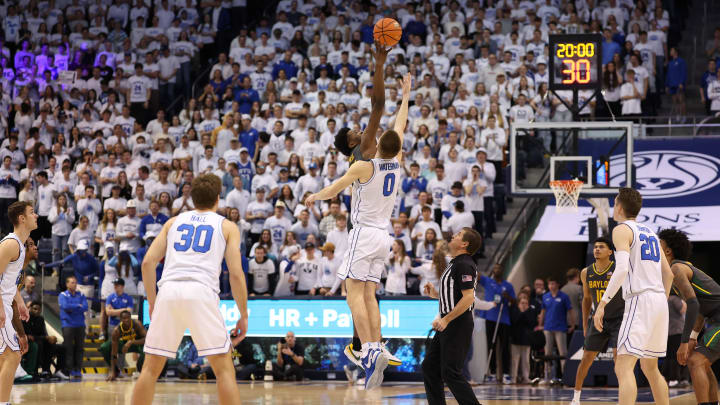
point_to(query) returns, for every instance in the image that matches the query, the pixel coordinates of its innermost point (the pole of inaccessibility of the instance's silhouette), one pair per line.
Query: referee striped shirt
(459, 275)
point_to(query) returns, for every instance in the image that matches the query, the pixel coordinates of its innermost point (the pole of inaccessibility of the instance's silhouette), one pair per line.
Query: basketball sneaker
(374, 364)
(392, 360)
(353, 355)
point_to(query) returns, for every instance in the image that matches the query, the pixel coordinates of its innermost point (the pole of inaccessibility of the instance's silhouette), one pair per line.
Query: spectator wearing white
(184, 202)
(475, 187)
(61, 216)
(81, 232)
(260, 273)
(141, 202)
(115, 202)
(339, 236)
(311, 149)
(264, 180)
(487, 173)
(330, 263)
(256, 214)
(631, 97)
(493, 139)
(278, 224)
(310, 182)
(238, 197)
(437, 188)
(426, 222)
(397, 265)
(308, 271)
(714, 93)
(455, 168)
(9, 178)
(109, 175)
(448, 201)
(459, 219)
(128, 229)
(521, 112)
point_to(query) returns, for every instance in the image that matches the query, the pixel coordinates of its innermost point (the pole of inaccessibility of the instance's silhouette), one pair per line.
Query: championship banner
(679, 180)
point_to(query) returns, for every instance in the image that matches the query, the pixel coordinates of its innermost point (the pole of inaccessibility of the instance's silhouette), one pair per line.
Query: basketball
(387, 32)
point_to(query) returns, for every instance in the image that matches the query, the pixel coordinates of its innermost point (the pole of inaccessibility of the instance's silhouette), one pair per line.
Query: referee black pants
(444, 363)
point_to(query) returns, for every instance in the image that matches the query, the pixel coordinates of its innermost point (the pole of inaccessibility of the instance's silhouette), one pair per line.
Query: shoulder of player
(10, 247)
(681, 268)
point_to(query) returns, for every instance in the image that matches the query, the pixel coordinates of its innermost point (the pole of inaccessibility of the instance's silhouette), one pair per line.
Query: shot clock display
(575, 62)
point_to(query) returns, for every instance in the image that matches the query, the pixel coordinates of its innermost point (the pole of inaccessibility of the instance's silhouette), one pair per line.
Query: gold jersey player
(595, 279)
(644, 274)
(12, 258)
(375, 184)
(193, 244)
(702, 295)
(361, 146)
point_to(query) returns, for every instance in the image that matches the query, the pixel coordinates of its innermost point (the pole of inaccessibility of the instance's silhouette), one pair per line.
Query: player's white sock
(576, 396)
(375, 345)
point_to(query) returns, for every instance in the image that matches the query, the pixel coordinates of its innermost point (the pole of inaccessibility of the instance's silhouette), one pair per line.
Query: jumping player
(362, 146)
(193, 245)
(595, 279)
(702, 296)
(13, 342)
(375, 186)
(644, 274)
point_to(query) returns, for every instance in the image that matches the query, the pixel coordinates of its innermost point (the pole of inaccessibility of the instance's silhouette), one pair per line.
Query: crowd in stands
(107, 163)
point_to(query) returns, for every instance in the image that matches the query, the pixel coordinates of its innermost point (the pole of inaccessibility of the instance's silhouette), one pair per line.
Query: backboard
(597, 153)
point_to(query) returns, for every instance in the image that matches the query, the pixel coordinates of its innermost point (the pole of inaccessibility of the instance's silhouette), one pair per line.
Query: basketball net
(566, 193)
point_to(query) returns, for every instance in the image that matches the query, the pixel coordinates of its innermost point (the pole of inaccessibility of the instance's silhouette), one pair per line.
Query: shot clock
(575, 62)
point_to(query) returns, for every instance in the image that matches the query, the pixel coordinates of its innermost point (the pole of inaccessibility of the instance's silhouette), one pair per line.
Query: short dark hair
(606, 241)
(630, 200)
(678, 243)
(125, 312)
(473, 238)
(389, 144)
(16, 209)
(205, 191)
(572, 273)
(341, 141)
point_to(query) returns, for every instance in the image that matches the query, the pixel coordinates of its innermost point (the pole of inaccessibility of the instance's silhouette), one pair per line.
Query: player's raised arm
(237, 277)
(402, 114)
(358, 170)
(368, 143)
(622, 238)
(153, 256)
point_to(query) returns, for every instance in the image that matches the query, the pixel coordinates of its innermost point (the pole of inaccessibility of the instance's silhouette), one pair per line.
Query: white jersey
(374, 200)
(195, 249)
(645, 273)
(10, 278)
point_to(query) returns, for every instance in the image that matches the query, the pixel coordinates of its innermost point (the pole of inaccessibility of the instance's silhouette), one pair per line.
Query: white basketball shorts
(364, 260)
(644, 328)
(182, 305)
(8, 336)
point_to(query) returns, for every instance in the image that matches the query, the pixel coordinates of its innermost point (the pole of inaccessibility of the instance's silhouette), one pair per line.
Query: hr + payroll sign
(326, 318)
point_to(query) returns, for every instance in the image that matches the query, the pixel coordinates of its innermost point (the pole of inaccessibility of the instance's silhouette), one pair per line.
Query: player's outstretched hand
(380, 54)
(310, 200)
(240, 331)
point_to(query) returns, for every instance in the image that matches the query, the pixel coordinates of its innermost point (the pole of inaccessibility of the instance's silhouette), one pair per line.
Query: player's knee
(648, 366)
(696, 362)
(153, 365)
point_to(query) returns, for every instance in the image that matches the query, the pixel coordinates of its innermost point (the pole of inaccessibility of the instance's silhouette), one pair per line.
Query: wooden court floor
(96, 391)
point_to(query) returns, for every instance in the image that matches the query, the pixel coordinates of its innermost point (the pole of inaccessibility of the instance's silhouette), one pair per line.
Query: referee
(447, 353)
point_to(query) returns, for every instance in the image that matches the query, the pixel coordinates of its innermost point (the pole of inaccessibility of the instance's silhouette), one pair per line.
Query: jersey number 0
(388, 184)
(198, 237)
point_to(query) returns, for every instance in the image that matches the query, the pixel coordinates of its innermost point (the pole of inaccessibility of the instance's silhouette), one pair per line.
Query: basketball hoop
(566, 193)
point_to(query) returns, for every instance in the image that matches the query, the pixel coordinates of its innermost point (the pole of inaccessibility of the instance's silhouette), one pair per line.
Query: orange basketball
(387, 32)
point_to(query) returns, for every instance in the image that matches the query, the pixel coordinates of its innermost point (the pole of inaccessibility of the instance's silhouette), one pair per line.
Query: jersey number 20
(198, 237)
(650, 249)
(388, 184)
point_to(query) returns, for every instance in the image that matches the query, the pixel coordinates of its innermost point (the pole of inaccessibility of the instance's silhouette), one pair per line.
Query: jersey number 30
(198, 237)
(650, 250)
(388, 184)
